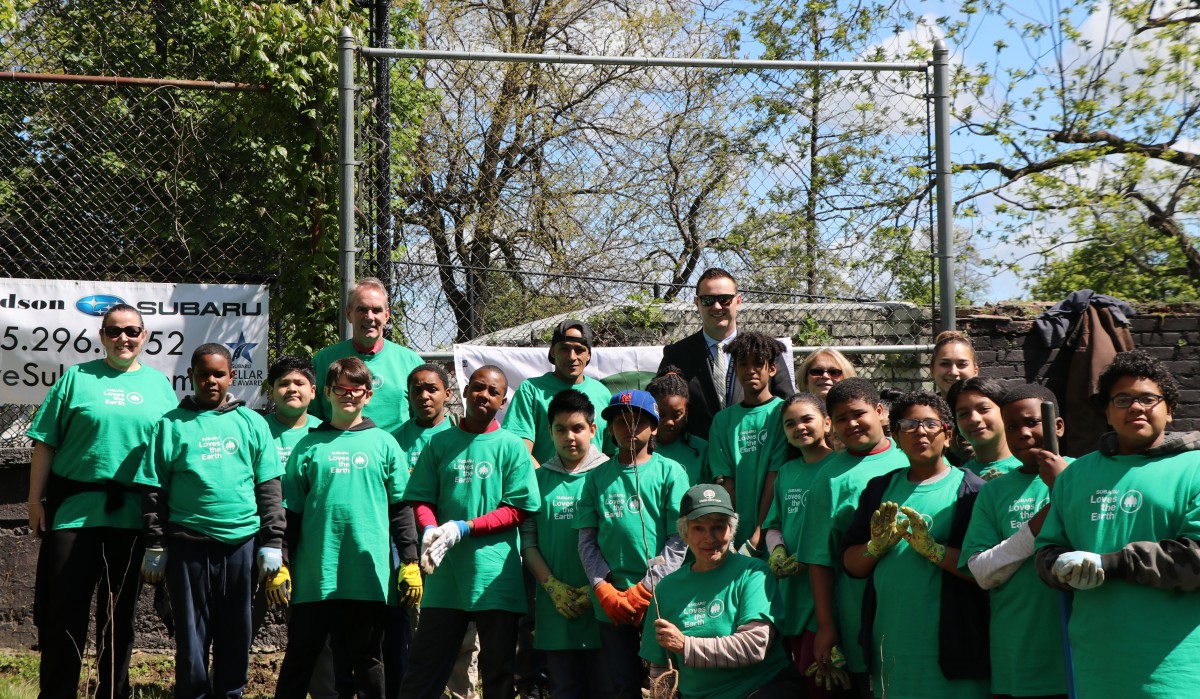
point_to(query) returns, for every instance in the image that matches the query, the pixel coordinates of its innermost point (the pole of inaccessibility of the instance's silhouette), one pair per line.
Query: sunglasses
(112, 332)
(723, 299)
(352, 391)
(818, 371)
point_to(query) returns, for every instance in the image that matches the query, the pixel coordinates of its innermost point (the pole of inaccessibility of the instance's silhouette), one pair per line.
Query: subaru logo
(97, 304)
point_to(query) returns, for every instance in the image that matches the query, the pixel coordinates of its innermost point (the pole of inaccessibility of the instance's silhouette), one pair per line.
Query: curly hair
(755, 347)
(1137, 364)
(911, 400)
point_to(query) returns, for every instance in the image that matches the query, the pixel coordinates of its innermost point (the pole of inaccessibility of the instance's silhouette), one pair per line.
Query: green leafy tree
(173, 184)
(1089, 129)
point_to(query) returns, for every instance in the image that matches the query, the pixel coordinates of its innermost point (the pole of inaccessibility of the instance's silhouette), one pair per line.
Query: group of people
(719, 534)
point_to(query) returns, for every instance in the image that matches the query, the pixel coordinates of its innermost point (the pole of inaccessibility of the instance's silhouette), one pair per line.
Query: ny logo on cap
(627, 397)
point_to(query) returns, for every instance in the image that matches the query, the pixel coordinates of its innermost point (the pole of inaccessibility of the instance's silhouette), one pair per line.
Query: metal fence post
(346, 165)
(945, 197)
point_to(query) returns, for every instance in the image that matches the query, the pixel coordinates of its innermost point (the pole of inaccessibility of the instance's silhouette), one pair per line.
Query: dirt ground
(152, 674)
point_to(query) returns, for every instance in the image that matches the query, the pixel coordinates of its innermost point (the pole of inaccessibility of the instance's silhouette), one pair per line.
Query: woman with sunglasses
(822, 369)
(88, 440)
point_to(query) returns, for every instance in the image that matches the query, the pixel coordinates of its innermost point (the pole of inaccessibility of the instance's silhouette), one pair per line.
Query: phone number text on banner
(49, 325)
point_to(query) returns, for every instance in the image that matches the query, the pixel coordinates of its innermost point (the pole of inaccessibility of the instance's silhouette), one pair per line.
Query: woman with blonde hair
(822, 369)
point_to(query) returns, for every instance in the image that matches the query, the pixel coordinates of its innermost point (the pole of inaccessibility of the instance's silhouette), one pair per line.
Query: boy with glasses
(924, 622)
(343, 493)
(1123, 532)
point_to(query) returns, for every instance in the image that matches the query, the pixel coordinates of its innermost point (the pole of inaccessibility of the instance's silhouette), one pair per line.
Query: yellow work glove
(920, 539)
(583, 598)
(409, 584)
(562, 595)
(782, 564)
(837, 675)
(886, 530)
(279, 588)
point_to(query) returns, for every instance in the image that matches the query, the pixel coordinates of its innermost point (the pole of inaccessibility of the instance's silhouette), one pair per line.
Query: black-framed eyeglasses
(352, 391)
(723, 299)
(1146, 400)
(834, 373)
(911, 424)
(112, 332)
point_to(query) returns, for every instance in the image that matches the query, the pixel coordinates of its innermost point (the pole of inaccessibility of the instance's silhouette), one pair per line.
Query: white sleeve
(993, 568)
(774, 538)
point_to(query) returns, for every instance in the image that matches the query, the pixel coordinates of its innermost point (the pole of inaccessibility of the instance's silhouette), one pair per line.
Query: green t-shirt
(1005, 465)
(744, 444)
(98, 421)
(286, 438)
(1129, 639)
(412, 439)
(208, 463)
(342, 482)
(389, 367)
(908, 589)
(558, 542)
(465, 475)
(792, 485)
(1026, 643)
(832, 500)
(527, 418)
(692, 455)
(613, 503)
(712, 604)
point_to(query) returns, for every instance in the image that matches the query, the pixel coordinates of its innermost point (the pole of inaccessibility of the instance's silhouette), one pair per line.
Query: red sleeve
(426, 515)
(500, 519)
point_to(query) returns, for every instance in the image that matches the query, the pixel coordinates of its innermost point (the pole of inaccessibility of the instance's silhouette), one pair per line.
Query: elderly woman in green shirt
(715, 618)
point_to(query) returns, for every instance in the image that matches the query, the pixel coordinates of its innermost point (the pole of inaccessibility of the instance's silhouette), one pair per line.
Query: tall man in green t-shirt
(211, 486)
(1123, 532)
(570, 352)
(369, 311)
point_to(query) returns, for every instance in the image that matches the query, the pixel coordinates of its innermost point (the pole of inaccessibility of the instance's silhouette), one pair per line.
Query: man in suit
(706, 367)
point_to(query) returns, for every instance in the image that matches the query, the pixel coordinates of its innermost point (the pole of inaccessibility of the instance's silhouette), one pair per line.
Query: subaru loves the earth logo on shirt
(97, 304)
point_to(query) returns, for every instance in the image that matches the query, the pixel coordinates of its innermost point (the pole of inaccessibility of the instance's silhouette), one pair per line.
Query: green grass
(151, 674)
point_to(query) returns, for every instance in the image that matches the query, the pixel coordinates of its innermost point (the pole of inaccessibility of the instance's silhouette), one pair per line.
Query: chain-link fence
(112, 167)
(603, 186)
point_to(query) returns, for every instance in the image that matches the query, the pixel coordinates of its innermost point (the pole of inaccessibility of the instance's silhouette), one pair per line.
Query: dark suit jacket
(691, 355)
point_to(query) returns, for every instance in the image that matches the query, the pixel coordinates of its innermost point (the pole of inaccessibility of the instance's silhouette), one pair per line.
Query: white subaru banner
(47, 325)
(618, 368)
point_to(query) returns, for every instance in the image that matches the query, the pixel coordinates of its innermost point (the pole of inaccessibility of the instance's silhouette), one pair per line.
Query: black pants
(355, 632)
(438, 639)
(788, 684)
(71, 564)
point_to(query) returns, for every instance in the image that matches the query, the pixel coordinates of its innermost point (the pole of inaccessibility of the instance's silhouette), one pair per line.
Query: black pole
(381, 35)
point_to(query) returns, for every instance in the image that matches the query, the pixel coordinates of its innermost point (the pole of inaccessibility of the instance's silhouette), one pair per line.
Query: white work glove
(1079, 569)
(441, 540)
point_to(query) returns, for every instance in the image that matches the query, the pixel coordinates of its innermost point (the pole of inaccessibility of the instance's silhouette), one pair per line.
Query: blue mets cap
(631, 399)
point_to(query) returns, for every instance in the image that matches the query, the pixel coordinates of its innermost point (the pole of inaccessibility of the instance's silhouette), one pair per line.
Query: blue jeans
(621, 660)
(210, 585)
(577, 674)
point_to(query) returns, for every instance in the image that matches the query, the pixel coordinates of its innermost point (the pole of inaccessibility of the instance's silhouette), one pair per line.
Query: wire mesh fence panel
(536, 189)
(114, 165)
